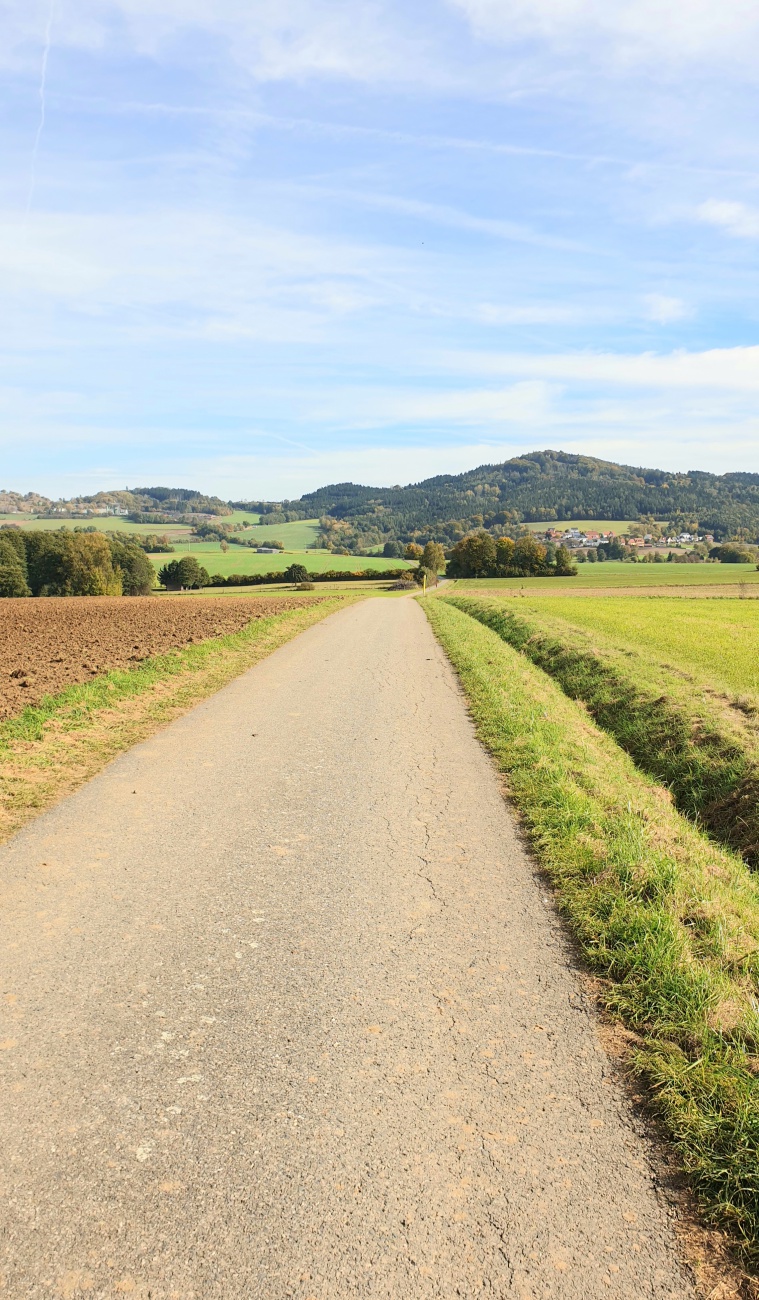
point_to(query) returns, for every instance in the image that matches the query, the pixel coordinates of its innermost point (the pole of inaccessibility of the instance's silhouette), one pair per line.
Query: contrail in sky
(43, 87)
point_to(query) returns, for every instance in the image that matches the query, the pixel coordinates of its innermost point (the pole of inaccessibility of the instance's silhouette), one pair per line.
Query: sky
(257, 246)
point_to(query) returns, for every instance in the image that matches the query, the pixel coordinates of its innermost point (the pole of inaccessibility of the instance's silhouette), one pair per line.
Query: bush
(184, 574)
(731, 553)
(306, 586)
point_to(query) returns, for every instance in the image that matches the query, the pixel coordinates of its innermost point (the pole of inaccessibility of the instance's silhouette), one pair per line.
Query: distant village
(576, 539)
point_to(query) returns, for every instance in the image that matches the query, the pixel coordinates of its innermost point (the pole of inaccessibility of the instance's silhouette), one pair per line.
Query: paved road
(289, 1014)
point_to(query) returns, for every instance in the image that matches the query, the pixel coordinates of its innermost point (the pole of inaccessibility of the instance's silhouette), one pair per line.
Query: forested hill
(540, 486)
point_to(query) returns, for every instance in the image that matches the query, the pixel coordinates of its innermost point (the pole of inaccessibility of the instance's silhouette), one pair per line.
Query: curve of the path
(289, 1014)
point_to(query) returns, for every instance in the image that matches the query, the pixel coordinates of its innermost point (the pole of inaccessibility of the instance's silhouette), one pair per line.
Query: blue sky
(267, 244)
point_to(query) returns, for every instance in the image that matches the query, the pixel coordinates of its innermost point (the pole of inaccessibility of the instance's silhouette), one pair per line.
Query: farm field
(596, 525)
(240, 516)
(618, 575)
(47, 645)
(718, 640)
(105, 524)
(239, 559)
(295, 536)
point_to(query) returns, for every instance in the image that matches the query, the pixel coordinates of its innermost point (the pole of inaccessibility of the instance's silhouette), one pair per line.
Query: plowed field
(46, 645)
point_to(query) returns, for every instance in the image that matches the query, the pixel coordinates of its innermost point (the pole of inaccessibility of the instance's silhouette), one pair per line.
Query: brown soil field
(46, 645)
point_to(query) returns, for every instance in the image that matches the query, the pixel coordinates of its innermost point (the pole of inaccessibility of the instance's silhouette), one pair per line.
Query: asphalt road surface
(288, 1013)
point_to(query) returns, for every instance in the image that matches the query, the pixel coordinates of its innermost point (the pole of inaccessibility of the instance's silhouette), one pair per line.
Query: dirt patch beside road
(47, 645)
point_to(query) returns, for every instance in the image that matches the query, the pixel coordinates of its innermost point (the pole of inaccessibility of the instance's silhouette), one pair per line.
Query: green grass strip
(667, 919)
(705, 750)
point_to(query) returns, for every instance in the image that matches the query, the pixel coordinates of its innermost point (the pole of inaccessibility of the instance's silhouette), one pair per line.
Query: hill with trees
(540, 486)
(143, 505)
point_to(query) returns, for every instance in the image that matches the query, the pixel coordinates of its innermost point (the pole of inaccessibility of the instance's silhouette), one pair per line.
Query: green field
(104, 524)
(718, 640)
(616, 573)
(240, 517)
(239, 559)
(296, 536)
(596, 525)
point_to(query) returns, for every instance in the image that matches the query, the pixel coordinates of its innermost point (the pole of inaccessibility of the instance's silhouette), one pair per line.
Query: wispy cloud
(644, 31)
(313, 231)
(664, 309)
(736, 219)
(735, 369)
(441, 214)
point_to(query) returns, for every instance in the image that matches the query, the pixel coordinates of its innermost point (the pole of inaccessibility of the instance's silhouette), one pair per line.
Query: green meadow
(104, 524)
(596, 525)
(716, 639)
(617, 573)
(239, 559)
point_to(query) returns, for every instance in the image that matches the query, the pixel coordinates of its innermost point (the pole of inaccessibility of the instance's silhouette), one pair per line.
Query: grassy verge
(669, 921)
(54, 747)
(704, 747)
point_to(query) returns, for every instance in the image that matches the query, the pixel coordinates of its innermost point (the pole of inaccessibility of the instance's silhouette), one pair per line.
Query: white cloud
(734, 369)
(209, 273)
(665, 310)
(271, 39)
(738, 219)
(385, 41)
(368, 407)
(641, 30)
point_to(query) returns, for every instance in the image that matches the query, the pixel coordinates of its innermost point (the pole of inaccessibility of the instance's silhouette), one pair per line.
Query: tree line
(188, 575)
(65, 563)
(484, 556)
